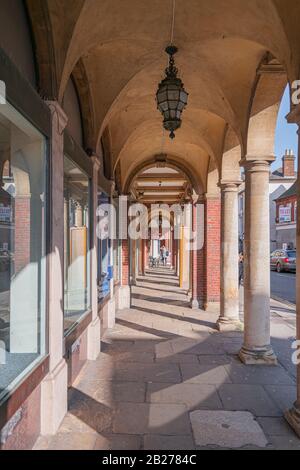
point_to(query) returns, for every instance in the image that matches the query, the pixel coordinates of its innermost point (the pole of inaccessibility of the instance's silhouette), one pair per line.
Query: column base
(293, 418)
(111, 314)
(54, 399)
(195, 304)
(94, 340)
(229, 324)
(263, 356)
(124, 297)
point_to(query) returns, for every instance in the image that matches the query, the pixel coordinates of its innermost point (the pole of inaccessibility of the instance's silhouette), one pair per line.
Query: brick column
(124, 290)
(212, 251)
(293, 415)
(54, 386)
(125, 262)
(195, 302)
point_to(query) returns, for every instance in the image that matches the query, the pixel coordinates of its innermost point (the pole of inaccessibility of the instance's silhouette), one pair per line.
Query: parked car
(283, 260)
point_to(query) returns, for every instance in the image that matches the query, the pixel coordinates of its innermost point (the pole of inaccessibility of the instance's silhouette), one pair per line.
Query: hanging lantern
(171, 96)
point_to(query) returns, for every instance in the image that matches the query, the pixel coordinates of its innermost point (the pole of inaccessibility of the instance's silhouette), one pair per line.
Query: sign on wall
(285, 214)
(5, 214)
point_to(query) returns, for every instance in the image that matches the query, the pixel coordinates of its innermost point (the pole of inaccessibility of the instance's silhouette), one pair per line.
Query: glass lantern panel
(173, 104)
(173, 94)
(163, 106)
(183, 96)
(162, 96)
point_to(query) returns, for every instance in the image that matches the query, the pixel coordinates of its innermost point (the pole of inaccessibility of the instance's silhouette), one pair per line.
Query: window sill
(76, 330)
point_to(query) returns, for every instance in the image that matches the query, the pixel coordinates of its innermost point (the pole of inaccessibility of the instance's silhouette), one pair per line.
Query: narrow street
(283, 286)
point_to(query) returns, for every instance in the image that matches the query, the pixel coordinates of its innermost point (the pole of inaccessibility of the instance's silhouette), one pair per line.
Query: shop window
(76, 244)
(22, 248)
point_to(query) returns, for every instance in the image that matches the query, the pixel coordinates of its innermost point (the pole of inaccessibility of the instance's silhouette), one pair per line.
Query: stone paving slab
(264, 375)
(192, 395)
(161, 442)
(229, 429)
(283, 396)
(208, 374)
(140, 418)
(72, 441)
(251, 398)
(217, 360)
(164, 360)
(108, 392)
(276, 427)
(286, 443)
(118, 442)
(147, 372)
(178, 359)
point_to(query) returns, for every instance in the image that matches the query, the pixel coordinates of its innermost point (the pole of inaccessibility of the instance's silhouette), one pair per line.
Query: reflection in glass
(22, 247)
(103, 248)
(76, 244)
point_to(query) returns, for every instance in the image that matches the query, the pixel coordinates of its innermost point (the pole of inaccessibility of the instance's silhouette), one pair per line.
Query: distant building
(281, 180)
(286, 218)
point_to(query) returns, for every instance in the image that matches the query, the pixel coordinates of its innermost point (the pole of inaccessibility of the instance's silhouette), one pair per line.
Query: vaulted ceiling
(235, 57)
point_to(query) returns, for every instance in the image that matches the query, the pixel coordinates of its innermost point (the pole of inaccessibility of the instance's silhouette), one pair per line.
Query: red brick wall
(22, 232)
(24, 427)
(284, 202)
(212, 249)
(125, 262)
(288, 166)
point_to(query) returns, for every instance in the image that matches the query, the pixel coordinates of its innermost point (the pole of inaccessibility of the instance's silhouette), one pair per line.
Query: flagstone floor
(164, 361)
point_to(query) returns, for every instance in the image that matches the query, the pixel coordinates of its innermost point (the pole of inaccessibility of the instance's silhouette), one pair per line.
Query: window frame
(78, 157)
(25, 100)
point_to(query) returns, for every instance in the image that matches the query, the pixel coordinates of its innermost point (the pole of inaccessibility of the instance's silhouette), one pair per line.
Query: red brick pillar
(195, 301)
(125, 262)
(212, 250)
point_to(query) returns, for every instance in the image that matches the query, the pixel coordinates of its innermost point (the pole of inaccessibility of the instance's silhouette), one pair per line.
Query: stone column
(94, 333)
(229, 317)
(257, 348)
(293, 415)
(54, 387)
(194, 256)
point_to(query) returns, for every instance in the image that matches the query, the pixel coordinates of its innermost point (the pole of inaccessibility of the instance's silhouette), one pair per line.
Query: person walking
(241, 268)
(164, 255)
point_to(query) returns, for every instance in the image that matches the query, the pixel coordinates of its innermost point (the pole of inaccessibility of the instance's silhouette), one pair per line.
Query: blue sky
(286, 134)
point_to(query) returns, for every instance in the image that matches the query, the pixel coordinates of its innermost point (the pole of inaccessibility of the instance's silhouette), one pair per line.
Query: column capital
(293, 117)
(230, 186)
(255, 159)
(211, 197)
(62, 118)
(196, 199)
(257, 165)
(96, 162)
